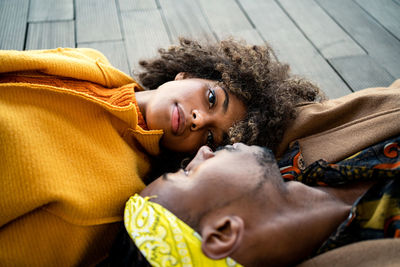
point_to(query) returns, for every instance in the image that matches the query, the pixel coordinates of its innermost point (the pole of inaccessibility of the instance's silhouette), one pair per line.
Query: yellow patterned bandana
(164, 239)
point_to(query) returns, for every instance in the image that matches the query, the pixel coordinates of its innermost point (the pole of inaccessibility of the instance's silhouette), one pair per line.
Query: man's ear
(181, 76)
(222, 236)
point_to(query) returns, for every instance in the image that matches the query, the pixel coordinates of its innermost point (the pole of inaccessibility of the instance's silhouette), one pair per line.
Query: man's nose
(206, 152)
(202, 155)
(199, 120)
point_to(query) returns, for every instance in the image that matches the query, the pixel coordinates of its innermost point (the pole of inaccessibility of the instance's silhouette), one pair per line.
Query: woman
(77, 135)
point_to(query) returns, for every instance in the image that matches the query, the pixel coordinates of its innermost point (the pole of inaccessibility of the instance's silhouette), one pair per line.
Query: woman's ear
(222, 236)
(181, 76)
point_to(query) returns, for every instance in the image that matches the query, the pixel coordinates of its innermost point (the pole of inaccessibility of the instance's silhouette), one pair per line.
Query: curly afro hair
(250, 72)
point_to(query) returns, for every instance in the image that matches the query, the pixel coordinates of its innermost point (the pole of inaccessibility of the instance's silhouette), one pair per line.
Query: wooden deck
(343, 45)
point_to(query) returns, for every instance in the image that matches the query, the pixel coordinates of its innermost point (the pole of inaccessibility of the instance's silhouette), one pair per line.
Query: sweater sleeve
(78, 63)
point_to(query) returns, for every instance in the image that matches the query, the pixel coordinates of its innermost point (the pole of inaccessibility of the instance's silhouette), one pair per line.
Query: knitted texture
(72, 154)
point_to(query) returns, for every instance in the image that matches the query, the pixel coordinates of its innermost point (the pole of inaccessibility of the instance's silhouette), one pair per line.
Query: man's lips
(178, 120)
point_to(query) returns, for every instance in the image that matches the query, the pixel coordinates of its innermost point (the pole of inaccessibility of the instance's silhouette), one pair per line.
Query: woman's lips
(178, 120)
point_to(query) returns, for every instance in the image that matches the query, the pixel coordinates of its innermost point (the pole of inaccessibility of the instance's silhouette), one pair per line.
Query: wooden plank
(386, 12)
(13, 18)
(144, 33)
(128, 5)
(225, 16)
(97, 20)
(292, 47)
(114, 51)
(47, 35)
(251, 36)
(322, 31)
(185, 18)
(379, 43)
(50, 10)
(362, 72)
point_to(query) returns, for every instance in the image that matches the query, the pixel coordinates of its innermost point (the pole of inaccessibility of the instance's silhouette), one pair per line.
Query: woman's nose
(199, 119)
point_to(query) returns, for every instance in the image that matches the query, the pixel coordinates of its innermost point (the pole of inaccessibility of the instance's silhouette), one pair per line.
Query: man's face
(193, 112)
(210, 179)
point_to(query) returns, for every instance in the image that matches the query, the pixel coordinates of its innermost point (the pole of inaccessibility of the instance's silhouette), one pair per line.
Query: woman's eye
(210, 139)
(211, 97)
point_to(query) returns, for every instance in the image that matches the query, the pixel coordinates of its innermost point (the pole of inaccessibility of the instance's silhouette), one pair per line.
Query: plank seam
(338, 74)
(50, 21)
(245, 14)
(122, 29)
(340, 26)
(26, 26)
(312, 44)
(75, 29)
(254, 27)
(164, 20)
(203, 13)
(376, 20)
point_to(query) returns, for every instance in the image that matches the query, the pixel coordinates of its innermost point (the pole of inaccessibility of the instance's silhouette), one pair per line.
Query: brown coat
(381, 252)
(338, 128)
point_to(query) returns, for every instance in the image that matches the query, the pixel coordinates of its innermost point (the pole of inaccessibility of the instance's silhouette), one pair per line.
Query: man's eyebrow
(226, 101)
(229, 148)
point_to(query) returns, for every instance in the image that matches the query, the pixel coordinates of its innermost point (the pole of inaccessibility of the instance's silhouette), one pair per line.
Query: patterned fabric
(376, 214)
(371, 163)
(164, 239)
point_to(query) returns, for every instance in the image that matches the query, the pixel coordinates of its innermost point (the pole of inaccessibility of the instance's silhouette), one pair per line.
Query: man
(237, 201)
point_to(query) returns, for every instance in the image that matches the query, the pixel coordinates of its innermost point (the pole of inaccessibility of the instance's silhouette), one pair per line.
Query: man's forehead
(229, 148)
(261, 154)
(234, 155)
(237, 148)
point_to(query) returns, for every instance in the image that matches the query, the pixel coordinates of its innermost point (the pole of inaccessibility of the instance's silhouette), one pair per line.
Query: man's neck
(320, 211)
(294, 224)
(348, 193)
(309, 216)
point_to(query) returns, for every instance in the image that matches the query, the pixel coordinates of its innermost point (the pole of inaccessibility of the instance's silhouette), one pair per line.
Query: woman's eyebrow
(226, 101)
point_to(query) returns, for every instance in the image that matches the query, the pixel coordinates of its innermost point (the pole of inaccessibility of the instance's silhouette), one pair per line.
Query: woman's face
(192, 112)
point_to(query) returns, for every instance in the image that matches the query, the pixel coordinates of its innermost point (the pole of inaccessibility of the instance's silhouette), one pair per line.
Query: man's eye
(185, 171)
(211, 97)
(210, 140)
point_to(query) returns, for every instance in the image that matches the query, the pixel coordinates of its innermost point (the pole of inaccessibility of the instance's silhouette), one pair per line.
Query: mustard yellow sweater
(69, 159)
